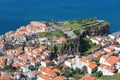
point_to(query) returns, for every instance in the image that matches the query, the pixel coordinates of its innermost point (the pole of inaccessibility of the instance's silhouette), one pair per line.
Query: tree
(53, 21)
(59, 66)
(77, 71)
(66, 72)
(98, 74)
(84, 69)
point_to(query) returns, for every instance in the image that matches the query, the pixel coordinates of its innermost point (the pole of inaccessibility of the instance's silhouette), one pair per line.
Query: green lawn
(77, 77)
(115, 77)
(79, 23)
(50, 34)
(74, 25)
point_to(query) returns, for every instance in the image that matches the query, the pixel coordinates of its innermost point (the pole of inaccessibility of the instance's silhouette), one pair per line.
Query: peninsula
(79, 49)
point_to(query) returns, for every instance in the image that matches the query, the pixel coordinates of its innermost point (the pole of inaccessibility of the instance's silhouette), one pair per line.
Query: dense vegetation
(87, 46)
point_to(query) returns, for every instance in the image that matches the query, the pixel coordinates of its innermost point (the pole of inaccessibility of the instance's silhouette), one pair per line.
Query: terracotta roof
(110, 68)
(97, 54)
(42, 47)
(92, 65)
(47, 61)
(59, 78)
(85, 59)
(18, 35)
(22, 28)
(110, 48)
(56, 70)
(60, 39)
(36, 50)
(38, 24)
(48, 51)
(111, 60)
(35, 72)
(69, 60)
(48, 72)
(6, 76)
(62, 57)
(88, 77)
(44, 77)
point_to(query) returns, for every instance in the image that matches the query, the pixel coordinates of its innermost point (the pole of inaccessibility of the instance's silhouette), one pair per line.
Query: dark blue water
(14, 13)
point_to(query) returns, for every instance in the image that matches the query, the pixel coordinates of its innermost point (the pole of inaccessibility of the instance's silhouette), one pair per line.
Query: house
(43, 48)
(62, 58)
(97, 54)
(27, 48)
(6, 76)
(35, 72)
(29, 28)
(43, 77)
(17, 75)
(37, 51)
(97, 39)
(37, 24)
(32, 75)
(104, 57)
(38, 27)
(56, 70)
(39, 59)
(88, 77)
(45, 56)
(109, 48)
(48, 72)
(45, 63)
(114, 35)
(117, 65)
(60, 40)
(117, 48)
(22, 29)
(118, 40)
(2, 64)
(60, 78)
(68, 63)
(85, 60)
(91, 67)
(119, 70)
(9, 35)
(19, 37)
(107, 70)
(110, 61)
(77, 62)
(33, 62)
(24, 68)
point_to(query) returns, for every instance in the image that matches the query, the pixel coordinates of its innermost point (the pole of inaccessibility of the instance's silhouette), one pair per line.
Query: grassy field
(74, 25)
(50, 34)
(115, 77)
(79, 23)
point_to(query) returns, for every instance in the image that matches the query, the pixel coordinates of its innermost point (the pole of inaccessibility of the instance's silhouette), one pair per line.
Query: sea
(16, 13)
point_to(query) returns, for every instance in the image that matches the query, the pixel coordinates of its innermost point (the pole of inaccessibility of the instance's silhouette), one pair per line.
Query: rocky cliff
(103, 30)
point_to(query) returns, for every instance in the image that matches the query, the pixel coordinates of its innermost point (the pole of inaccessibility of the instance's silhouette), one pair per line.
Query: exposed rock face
(76, 47)
(96, 32)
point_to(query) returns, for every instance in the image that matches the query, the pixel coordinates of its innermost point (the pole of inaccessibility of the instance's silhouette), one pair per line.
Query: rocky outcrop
(96, 32)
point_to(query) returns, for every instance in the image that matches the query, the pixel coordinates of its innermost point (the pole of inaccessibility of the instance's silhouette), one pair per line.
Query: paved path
(71, 34)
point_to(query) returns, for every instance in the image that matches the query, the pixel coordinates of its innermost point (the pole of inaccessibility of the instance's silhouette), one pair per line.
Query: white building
(114, 35)
(69, 63)
(106, 70)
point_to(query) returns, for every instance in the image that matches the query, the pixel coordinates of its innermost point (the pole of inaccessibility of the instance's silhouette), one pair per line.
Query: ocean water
(15, 13)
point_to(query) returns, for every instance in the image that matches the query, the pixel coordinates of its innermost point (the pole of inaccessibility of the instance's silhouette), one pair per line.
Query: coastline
(70, 49)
